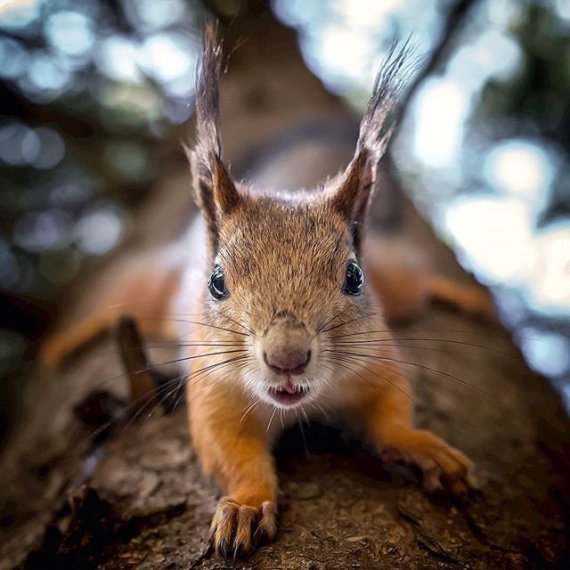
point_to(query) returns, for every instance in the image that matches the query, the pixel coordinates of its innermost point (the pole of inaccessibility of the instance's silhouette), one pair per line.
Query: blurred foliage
(89, 92)
(535, 101)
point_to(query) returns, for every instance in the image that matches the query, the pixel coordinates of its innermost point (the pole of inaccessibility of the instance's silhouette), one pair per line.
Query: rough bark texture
(133, 496)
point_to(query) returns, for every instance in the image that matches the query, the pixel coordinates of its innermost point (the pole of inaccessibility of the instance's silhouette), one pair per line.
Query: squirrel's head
(286, 274)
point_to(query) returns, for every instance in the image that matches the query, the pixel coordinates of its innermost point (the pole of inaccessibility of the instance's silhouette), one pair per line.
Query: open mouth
(288, 393)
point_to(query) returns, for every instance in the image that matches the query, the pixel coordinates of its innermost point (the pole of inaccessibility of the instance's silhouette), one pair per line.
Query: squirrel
(293, 314)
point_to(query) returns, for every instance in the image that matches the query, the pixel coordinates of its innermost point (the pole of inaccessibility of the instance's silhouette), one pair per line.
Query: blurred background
(95, 97)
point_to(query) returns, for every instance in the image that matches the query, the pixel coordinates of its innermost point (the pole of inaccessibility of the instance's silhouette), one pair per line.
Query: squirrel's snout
(287, 347)
(287, 360)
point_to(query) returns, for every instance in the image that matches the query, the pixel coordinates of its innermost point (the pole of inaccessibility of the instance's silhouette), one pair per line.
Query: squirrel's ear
(353, 195)
(214, 191)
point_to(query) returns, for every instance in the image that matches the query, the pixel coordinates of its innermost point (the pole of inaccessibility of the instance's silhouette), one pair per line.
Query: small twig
(136, 362)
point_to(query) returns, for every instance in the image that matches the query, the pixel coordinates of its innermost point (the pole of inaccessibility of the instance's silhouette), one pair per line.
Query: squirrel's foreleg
(233, 447)
(388, 419)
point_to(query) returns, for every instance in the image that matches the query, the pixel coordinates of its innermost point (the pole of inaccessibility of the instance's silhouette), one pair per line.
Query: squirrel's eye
(217, 284)
(353, 280)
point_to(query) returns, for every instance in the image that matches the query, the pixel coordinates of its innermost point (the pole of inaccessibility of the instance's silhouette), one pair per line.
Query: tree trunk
(78, 493)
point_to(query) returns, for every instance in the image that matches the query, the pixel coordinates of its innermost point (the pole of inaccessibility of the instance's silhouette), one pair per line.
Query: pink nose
(287, 360)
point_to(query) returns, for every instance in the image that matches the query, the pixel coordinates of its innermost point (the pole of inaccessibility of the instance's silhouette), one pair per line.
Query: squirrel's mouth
(288, 393)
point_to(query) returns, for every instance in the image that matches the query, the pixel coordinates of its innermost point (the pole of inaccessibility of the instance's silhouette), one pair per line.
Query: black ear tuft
(357, 185)
(214, 190)
(207, 94)
(377, 124)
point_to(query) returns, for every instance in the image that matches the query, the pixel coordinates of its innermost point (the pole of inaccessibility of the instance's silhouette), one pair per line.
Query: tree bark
(84, 486)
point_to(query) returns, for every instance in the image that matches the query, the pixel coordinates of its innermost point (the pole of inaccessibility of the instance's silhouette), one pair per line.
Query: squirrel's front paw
(442, 465)
(237, 528)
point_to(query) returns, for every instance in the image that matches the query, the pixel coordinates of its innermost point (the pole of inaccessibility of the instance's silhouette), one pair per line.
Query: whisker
(149, 404)
(300, 424)
(271, 419)
(178, 400)
(250, 409)
(483, 392)
(322, 410)
(211, 367)
(358, 318)
(177, 319)
(159, 344)
(399, 388)
(328, 322)
(186, 358)
(419, 331)
(442, 340)
(247, 329)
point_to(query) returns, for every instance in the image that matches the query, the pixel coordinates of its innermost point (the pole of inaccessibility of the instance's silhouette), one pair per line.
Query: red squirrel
(290, 316)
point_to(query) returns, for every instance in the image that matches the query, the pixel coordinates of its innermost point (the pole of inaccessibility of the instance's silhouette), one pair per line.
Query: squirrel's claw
(443, 466)
(236, 529)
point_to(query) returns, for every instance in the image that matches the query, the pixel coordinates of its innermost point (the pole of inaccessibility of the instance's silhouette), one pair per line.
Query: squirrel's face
(285, 271)
(286, 279)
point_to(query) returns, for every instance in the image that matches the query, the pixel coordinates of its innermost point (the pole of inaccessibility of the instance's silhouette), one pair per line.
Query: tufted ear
(354, 193)
(214, 191)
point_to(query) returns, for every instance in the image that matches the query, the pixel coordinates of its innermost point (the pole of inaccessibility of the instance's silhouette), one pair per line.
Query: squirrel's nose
(287, 360)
